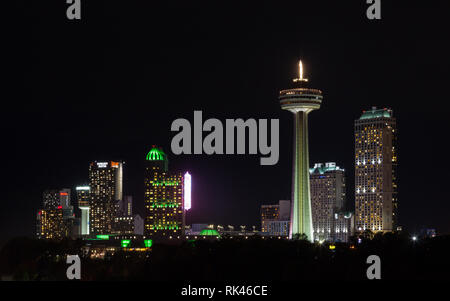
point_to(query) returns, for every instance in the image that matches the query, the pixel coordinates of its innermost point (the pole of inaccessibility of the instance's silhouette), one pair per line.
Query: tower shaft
(301, 220)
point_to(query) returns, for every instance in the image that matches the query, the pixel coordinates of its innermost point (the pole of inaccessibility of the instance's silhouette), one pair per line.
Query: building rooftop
(320, 168)
(376, 113)
(156, 154)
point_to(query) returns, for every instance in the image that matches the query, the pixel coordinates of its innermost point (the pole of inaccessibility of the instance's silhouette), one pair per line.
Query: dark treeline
(235, 259)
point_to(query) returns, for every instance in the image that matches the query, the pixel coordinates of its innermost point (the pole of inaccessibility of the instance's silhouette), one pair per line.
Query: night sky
(109, 86)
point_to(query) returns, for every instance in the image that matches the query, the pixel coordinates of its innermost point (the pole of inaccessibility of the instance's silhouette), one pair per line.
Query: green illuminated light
(156, 154)
(125, 243)
(166, 183)
(105, 237)
(148, 243)
(209, 232)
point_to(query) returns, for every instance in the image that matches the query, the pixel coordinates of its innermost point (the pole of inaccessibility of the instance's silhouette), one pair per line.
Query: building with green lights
(376, 205)
(106, 186)
(163, 198)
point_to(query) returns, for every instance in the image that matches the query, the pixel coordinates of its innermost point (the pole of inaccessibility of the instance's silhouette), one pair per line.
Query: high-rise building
(375, 171)
(275, 218)
(53, 198)
(50, 224)
(83, 197)
(327, 198)
(301, 101)
(56, 219)
(163, 198)
(106, 186)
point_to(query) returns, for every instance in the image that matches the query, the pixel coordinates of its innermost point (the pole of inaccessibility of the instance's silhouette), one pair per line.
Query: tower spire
(300, 73)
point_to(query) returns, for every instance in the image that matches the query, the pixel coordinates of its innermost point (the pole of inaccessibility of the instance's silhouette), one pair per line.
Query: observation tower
(300, 100)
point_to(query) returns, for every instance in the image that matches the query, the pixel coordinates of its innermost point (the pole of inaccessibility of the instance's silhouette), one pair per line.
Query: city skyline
(111, 101)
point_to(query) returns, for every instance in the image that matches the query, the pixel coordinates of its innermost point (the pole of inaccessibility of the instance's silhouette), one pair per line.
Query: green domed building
(163, 198)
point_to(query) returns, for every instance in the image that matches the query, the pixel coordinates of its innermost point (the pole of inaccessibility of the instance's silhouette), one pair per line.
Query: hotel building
(375, 171)
(327, 198)
(106, 185)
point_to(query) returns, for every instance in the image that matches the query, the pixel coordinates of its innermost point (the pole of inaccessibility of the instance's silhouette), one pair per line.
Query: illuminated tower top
(157, 158)
(300, 98)
(300, 73)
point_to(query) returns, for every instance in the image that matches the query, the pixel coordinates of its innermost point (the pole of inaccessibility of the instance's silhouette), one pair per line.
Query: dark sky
(109, 86)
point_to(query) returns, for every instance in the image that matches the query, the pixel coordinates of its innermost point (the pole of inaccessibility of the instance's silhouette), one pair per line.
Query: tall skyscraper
(301, 101)
(163, 198)
(106, 186)
(375, 171)
(83, 197)
(327, 198)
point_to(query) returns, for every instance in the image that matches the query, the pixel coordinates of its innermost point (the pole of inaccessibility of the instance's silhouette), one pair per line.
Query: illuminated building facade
(375, 171)
(53, 198)
(327, 198)
(277, 228)
(50, 224)
(106, 189)
(275, 218)
(301, 101)
(163, 198)
(83, 197)
(56, 219)
(268, 213)
(343, 226)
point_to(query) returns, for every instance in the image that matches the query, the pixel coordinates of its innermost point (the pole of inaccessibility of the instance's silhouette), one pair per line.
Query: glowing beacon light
(187, 191)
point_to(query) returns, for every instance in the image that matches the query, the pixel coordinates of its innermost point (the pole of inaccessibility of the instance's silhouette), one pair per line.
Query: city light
(187, 191)
(102, 164)
(82, 188)
(414, 238)
(125, 243)
(148, 243)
